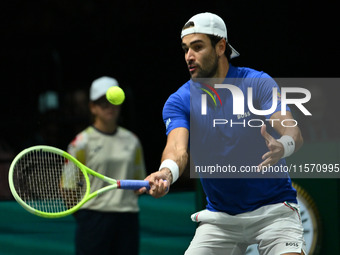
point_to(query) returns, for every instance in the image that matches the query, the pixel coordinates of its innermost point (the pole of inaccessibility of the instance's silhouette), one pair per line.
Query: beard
(208, 69)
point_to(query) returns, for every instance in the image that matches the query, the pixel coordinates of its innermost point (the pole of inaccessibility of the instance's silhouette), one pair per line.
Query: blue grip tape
(133, 184)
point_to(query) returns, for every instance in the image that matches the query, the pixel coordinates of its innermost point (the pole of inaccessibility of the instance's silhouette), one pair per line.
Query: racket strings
(48, 182)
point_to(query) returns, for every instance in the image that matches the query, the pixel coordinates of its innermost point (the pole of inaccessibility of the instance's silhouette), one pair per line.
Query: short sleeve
(265, 94)
(139, 164)
(176, 111)
(77, 147)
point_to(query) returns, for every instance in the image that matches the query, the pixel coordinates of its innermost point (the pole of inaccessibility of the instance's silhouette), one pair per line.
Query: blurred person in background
(108, 224)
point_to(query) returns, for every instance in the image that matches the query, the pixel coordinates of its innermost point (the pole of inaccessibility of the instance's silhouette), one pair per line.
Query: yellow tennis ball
(115, 95)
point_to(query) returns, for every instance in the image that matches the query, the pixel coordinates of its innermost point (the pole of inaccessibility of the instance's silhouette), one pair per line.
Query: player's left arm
(291, 139)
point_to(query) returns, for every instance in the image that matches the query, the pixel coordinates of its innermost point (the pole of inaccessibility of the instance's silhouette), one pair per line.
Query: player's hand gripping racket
(50, 183)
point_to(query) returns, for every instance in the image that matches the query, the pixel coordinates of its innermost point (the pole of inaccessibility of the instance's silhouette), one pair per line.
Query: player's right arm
(176, 117)
(176, 149)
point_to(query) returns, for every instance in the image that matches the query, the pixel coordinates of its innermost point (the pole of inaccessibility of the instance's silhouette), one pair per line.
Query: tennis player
(240, 211)
(108, 224)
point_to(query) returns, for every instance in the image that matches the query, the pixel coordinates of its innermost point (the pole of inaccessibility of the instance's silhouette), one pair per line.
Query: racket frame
(85, 170)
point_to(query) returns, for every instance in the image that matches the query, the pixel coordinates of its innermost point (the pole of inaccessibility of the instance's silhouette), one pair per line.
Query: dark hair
(188, 24)
(215, 39)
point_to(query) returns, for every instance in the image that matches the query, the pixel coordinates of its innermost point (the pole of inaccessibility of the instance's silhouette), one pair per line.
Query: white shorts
(277, 229)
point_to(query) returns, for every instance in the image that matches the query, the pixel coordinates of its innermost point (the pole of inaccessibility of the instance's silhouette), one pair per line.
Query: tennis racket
(51, 183)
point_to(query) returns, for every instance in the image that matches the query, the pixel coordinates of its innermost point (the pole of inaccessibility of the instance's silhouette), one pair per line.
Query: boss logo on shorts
(292, 244)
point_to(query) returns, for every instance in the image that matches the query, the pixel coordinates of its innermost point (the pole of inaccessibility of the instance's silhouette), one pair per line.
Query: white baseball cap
(100, 86)
(208, 23)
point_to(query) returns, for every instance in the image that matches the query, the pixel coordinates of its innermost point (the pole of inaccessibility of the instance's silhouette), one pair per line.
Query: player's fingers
(146, 190)
(164, 185)
(152, 181)
(158, 187)
(157, 193)
(267, 155)
(270, 158)
(265, 134)
(270, 161)
(275, 150)
(161, 187)
(267, 162)
(140, 191)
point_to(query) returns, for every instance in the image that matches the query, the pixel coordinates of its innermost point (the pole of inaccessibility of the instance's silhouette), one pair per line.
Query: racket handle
(133, 184)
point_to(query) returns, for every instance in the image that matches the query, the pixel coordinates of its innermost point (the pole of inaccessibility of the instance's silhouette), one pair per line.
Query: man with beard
(239, 211)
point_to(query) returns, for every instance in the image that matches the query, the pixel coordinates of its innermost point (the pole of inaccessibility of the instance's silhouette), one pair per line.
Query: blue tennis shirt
(221, 138)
